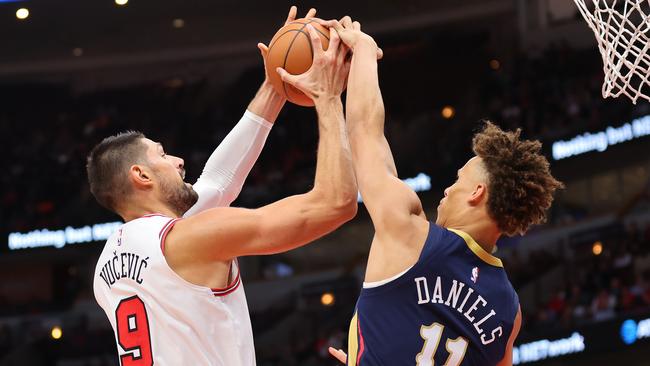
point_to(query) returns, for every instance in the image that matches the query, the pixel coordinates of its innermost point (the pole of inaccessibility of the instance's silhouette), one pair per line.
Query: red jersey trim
(215, 291)
(164, 231)
(361, 342)
(230, 288)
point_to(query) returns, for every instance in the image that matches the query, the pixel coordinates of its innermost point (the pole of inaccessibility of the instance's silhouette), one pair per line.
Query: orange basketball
(291, 50)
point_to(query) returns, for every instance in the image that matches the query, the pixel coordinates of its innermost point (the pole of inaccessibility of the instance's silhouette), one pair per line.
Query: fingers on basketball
(334, 43)
(292, 48)
(285, 76)
(292, 14)
(316, 44)
(311, 13)
(346, 21)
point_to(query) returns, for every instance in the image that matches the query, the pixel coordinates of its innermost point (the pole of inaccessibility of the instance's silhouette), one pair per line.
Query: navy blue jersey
(455, 306)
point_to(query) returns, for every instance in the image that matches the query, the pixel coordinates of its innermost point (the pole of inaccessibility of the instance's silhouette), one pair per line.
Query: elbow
(348, 208)
(344, 208)
(340, 208)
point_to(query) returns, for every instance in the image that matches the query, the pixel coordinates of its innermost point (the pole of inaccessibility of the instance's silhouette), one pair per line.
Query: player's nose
(179, 162)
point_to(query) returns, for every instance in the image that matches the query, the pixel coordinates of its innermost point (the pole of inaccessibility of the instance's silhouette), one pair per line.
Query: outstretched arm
(389, 201)
(225, 233)
(228, 167)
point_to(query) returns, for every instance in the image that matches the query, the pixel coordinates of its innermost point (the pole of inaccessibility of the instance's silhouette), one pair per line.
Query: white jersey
(160, 318)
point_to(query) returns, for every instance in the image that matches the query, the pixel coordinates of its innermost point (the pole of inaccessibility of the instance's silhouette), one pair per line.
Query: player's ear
(478, 194)
(140, 176)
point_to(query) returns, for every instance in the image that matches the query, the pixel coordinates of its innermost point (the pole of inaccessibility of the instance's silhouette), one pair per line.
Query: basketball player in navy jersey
(433, 292)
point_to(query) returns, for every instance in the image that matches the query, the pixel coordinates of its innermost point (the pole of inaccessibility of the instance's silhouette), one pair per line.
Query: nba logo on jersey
(474, 274)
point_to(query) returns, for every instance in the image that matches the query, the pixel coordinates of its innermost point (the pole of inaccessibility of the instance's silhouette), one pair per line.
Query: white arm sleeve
(229, 165)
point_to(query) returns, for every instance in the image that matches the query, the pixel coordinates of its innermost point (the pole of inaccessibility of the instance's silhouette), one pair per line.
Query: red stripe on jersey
(230, 290)
(231, 287)
(361, 346)
(164, 231)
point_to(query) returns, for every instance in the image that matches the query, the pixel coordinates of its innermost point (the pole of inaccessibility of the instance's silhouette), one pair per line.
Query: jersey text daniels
(474, 307)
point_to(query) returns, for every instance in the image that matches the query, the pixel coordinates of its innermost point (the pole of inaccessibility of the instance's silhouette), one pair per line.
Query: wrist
(328, 103)
(267, 102)
(365, 41)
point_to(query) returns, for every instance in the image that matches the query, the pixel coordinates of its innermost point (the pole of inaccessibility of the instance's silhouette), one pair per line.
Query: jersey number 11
(431, 335)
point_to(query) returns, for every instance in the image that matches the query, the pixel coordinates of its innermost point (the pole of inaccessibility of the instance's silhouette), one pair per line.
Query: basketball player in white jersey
(169, 285)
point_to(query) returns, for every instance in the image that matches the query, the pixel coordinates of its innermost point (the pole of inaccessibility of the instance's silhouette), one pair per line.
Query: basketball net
(622, 29)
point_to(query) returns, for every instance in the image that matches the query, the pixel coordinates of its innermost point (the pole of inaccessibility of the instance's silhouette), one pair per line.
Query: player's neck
(145, 207)
(483, 232)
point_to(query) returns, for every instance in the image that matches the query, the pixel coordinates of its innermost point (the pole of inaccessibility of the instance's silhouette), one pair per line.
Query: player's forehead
(473, 169)
(471, 165)
(152, 145)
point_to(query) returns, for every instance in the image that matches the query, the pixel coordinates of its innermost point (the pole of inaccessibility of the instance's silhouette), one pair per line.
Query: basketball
(291, 49)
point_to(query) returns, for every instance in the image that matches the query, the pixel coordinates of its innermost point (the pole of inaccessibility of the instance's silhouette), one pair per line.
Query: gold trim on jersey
(477, 249)
(353, 341)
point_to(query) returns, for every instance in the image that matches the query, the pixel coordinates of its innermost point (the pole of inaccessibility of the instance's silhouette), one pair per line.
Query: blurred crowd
(603, 280)
(50, 129)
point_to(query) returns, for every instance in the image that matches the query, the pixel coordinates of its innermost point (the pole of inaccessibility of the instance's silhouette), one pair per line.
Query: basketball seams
(286, 56)
(274, 41)
(317, 30)
(282, 41)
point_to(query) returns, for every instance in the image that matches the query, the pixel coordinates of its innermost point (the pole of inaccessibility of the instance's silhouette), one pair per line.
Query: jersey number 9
(133, 332)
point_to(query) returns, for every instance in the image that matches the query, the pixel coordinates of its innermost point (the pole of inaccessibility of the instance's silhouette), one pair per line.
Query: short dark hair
(108, 164)
(520, 186)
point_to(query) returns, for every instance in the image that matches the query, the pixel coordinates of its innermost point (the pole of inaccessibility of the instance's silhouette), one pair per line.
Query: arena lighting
(178, 23)
(327, 299)
(121, 2)
(495, 64)
(600, 141)
(419, 183)
(448, 112)
(56, 332)
(545, 349)
(22, 13)
(59, 238)
(99, 232)
(631, 330)
(597, 248)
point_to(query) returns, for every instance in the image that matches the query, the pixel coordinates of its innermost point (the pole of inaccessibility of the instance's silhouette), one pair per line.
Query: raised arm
(389, 201)
(225, 233)
(228, 167)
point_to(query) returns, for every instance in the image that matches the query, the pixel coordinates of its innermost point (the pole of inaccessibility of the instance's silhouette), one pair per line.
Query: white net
(622, 29)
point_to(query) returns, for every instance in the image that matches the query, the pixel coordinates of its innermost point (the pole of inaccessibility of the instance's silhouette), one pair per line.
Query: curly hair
(520, 183)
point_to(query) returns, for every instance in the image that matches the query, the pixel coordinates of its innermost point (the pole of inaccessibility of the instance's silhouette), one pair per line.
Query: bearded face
(169, 174)
(178, 195)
